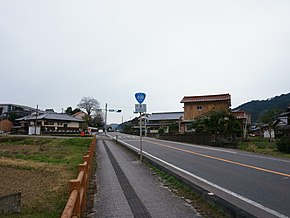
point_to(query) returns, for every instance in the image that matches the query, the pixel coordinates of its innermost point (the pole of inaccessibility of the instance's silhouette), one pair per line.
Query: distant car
(100, 130)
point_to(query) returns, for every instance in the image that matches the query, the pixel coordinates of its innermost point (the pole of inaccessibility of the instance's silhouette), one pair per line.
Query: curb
(226, 206)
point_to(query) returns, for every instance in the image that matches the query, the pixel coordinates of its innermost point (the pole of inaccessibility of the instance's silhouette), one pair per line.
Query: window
(199, 107)
(48, 123)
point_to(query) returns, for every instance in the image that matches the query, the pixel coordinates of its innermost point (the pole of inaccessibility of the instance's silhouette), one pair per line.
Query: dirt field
(33, 184)
(34, 181)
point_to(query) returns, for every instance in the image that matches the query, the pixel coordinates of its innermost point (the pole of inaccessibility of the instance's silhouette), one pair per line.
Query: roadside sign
(140, 108)
(140, 97)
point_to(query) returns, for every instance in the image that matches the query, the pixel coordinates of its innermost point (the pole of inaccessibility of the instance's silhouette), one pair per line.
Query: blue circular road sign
(140, 97)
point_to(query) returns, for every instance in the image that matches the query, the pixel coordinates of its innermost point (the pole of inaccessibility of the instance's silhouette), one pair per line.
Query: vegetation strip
(187, 193)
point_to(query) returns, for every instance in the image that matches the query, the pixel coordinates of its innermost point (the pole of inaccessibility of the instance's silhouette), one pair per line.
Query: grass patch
(48, 150)
(179, 188)
(40, 169)
(261, 146)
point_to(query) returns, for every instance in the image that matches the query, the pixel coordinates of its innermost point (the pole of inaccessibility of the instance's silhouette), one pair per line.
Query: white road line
(249, 201)
(203, 147)
(267, 158)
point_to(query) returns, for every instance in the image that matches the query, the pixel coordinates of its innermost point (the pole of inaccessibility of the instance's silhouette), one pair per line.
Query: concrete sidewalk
(126, 188)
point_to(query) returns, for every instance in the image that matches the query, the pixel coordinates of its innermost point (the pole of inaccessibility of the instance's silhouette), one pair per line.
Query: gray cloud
(53, 53)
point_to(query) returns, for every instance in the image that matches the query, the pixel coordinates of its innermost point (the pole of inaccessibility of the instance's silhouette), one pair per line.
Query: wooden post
(75, 185)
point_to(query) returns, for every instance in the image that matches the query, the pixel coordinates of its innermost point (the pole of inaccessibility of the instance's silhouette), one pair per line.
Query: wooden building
(199, 106)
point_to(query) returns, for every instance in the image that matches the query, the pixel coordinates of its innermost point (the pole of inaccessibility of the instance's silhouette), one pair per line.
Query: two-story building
(199, 106)
(18, 110)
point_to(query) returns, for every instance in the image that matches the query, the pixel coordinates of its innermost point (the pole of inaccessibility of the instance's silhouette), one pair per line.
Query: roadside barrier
(78, 187)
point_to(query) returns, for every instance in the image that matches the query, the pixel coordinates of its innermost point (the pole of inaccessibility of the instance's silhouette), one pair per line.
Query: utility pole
(35, 126)
(106, 114)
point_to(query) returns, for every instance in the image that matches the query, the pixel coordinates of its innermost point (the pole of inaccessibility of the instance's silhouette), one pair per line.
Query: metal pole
(106, 113)
(36, 120)
(141, 138)
(145, 122)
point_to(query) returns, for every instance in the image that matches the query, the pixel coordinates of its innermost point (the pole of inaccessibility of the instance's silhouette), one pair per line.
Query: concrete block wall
(10, 203)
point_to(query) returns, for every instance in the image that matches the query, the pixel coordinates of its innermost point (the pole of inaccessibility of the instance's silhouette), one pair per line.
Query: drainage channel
(136, 205)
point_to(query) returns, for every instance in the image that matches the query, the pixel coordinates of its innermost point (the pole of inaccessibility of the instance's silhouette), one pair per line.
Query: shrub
(252, 148)
(161, 131)
(283, 144)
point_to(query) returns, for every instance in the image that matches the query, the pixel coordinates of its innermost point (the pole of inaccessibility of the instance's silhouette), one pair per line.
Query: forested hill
(258, 107)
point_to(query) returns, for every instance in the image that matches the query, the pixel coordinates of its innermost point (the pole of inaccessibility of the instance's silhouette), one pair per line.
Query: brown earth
(36, 181)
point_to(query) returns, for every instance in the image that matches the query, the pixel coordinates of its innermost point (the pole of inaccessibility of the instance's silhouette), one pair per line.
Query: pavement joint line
(135, 203)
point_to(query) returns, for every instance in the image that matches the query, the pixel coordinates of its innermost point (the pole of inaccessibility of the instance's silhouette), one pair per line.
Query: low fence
(78, 187)
(202, 139)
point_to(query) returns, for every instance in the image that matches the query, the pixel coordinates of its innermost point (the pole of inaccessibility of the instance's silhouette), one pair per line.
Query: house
(49, 122)
(16, 109)
(245, 120)
(283, 119)
(9, 113)
(5, 125)
(164, 121)
(282, 124)
(80, 115)
(199, 106)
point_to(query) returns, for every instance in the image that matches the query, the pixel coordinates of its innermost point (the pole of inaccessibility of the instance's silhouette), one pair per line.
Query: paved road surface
(259, 184)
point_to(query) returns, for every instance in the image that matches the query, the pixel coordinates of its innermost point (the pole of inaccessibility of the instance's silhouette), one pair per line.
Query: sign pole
(141, 149)
(106, 114)
(140, 97)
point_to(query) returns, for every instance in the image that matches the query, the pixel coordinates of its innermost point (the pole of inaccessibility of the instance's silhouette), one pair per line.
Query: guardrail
(78, 187)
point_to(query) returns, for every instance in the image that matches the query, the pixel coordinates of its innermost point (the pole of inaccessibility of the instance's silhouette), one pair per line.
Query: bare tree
(89, 104)
(98, 120)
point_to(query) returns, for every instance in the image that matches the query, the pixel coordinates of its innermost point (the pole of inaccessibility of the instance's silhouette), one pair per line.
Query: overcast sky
(53, 53)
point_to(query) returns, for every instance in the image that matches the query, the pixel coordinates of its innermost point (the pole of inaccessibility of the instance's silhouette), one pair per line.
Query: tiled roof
(239, 114)
(206, 98)
(52, 116)
(166, 116)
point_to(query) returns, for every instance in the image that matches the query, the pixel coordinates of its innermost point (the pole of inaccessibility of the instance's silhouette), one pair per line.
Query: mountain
(258, 107)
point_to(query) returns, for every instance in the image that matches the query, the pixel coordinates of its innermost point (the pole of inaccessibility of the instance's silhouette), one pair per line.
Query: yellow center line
(222, 159)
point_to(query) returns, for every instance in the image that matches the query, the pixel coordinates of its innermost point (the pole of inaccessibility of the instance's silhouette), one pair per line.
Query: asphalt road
(256, 183)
